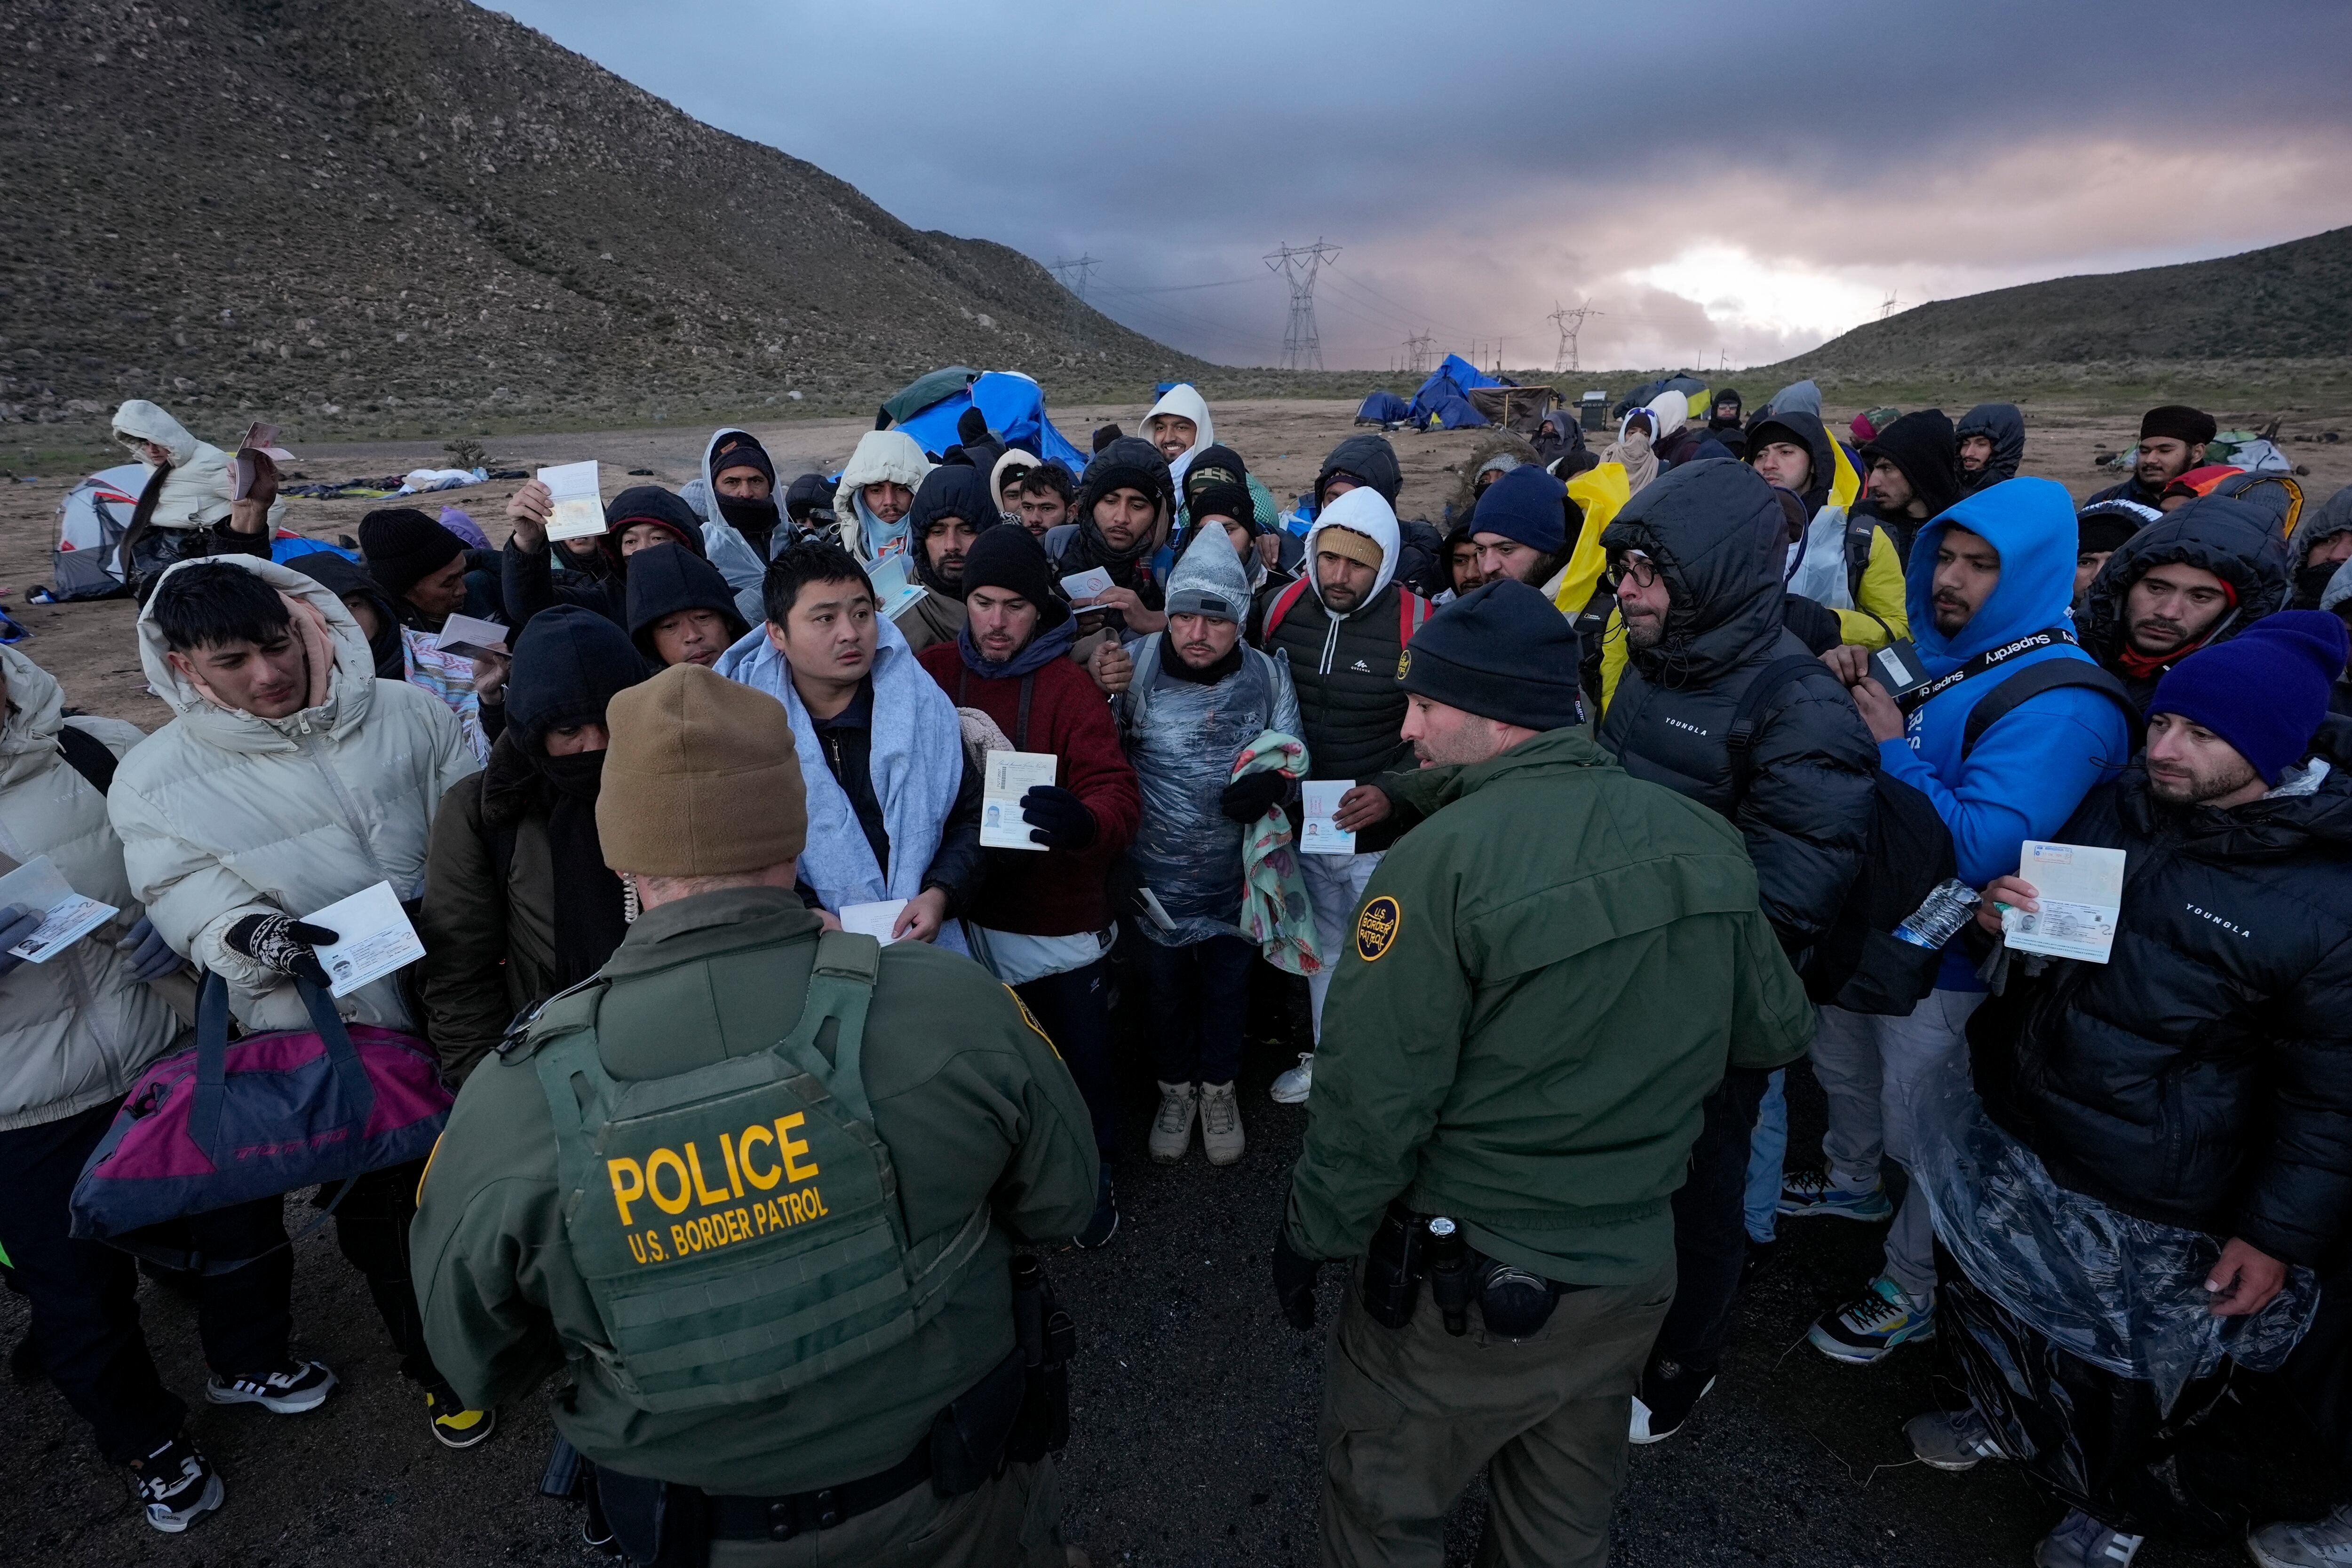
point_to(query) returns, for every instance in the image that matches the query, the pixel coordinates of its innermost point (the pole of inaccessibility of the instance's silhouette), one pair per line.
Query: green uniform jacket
(970, 1099)
(1545, 979)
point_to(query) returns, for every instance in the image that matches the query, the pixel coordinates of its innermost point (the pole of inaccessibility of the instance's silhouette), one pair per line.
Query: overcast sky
(1741, 181)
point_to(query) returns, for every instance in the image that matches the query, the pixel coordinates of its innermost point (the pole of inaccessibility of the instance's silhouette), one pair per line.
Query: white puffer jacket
(224, 815)
(74, 1032)
(891, 455)
(195, 492)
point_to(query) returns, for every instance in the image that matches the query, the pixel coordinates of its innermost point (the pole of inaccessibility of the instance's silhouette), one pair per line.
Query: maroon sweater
(1058, 893)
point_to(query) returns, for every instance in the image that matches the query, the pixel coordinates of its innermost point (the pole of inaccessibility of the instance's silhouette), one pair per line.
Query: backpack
(1858, 963)
(88, 756)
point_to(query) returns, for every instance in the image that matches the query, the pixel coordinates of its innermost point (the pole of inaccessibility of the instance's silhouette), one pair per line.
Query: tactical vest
(738, 1226)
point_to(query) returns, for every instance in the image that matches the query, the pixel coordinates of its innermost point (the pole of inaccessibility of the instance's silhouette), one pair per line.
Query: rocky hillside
(370, 215)
(2287, 303)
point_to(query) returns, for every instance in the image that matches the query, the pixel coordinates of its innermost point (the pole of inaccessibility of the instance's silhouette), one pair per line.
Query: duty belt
(782, 1518)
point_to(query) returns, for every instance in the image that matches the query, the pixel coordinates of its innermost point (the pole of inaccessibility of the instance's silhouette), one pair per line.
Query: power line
(1302, 346)
(1074, 314)
(1570, 322)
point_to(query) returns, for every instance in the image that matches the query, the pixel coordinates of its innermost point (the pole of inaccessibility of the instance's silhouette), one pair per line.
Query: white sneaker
(1172, 1130)
(1291, 1088)
(176, 1486)
(2078, 1540)
(2321, 1543)
(1220, 1124)
(301, 1386)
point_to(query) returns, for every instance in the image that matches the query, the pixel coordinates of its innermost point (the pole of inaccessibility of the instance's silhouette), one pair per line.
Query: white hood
(1673, 412)
(1185, 403)
(881, 455)
(195, 492)
(1013, 455)
(351, 688)
(1366, 511)
(140, 419)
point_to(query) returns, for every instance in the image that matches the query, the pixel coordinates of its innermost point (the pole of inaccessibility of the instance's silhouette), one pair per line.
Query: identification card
(2081, 891)
(1318, 834)
(579, 501)
(1899, 668)
(66, 917)
(1082, 586)
(1009, 775)
(376, 939)
(874, 920)
(894, 595)
(470, 638)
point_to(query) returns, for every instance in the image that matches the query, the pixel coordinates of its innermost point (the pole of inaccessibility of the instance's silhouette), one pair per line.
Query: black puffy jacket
(1718, 537)
(2231, 539)
(2204, 1077)
(2004, 424)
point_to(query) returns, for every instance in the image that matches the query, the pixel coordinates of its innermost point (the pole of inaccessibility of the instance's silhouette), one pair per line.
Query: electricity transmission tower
(1074, 316)
(1302, 346)
(1887, 306)
(1418, 346)
(1570, 322)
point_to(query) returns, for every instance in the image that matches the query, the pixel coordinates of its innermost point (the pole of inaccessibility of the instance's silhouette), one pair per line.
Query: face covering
(753, 519)
(2311, 583)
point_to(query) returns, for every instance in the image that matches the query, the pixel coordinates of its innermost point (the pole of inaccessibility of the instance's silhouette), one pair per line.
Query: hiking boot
(1809, 1192)
(1172, 1130)
(299, 1386)
(1951, 1439)
(454, 1426)
(176, 1486)
(2322, 1543)
(2078, 1540)
(1864, 1330)
(1291, 1088)
(1104, 1223)
(1664, 1402)
(1220, 1124)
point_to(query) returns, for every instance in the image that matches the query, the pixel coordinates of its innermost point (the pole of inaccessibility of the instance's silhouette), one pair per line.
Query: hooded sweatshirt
(1871, 613)
(2331, 522)
(1129, 463)
(197, 492)
(1634, 450)
(1185, 401)
(2228, 539)
(530, 582)
(739, 536)
(2033, 767)
(1922, 444)
(223, 814)
(664, 581)
(2005, 424)
(881, 456)
(950, 490)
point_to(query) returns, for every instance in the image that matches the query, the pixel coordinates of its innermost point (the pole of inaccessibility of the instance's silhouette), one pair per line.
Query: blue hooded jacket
(2033, 768)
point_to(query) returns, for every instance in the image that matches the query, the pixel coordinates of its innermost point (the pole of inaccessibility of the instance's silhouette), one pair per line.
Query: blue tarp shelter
(1450, 412)
(1384, 407)
(1014, 407)
(1454, 377)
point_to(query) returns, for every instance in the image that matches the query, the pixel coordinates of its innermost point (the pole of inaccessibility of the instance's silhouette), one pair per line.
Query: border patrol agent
(1545, 979)
(754, 1185)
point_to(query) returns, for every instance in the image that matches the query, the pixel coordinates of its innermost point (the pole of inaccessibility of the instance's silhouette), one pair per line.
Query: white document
(1011, 775)
(875, 919)
(68, 916)
(1084, 585)
(376, 939)
(579, 502)
(2081, 891)
(894, 595)
(470, 638)
(1155, 911)
(1318, 834)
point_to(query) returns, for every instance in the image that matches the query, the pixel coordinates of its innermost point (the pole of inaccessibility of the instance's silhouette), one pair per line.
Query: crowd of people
(1657, 770)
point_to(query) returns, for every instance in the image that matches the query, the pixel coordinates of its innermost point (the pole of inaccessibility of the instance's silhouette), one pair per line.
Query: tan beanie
(1361, 548)
(701, 779)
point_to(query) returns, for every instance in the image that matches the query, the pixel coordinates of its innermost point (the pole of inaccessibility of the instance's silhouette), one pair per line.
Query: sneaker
(1951, 1439)
(1664, 1402)
(301, 1386)
(1104, 1223)
(2078, 1540)
(1220, 1124)
(2322, 1543)
(1291, 1088)
(1172, 1130)
(1862, 1331)
(176, 1486)
(454, 1427)
(1810, 1192)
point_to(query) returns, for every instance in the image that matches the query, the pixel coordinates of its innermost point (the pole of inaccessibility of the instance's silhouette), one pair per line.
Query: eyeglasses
(1638, 569)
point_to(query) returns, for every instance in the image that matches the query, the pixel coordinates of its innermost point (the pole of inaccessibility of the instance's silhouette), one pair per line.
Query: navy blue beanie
(1527, 505)
(1503, 652)
(2264, 690)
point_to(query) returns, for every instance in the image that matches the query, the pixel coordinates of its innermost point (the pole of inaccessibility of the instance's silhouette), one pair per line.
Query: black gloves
(1253, 795)
(1060, 820)
(282, 943)
(1294, 1282)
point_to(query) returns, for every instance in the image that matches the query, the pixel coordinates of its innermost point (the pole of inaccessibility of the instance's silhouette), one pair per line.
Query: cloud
(1716, 183)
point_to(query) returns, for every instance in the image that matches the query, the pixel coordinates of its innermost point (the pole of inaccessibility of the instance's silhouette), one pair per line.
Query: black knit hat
(741, 449)
(1218, 465)
(1226, 501)
(1129, 463)
(2177, 422)
(1012, 559)
(402, 547)
(1106, 434)
(1923, 445)
(972, 425)
(810, 498)
(1503, 652)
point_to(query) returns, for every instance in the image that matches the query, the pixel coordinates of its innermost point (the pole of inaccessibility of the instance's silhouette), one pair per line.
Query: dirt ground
(89, 647)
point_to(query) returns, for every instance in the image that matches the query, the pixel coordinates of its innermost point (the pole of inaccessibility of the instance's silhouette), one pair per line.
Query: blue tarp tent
(1384, 407)
(1452, 378)
(1014, 407)
(1450, 412)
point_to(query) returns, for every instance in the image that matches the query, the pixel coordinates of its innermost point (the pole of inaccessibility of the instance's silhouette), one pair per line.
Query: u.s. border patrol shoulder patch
(1031, 1019)
(1377, 927)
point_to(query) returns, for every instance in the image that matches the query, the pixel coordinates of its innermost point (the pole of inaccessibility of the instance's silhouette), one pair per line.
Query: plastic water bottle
(1940, 917)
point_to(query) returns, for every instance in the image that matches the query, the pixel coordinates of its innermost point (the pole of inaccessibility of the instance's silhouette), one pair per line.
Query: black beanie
(1924, 445)
(402, 547)
(741, 449)
(1106, 434)
(809, 497)
(2177, 422)
(1503, 652)
(1226, 501)
(972, 425)
(2107, 525)
(1012, 559)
